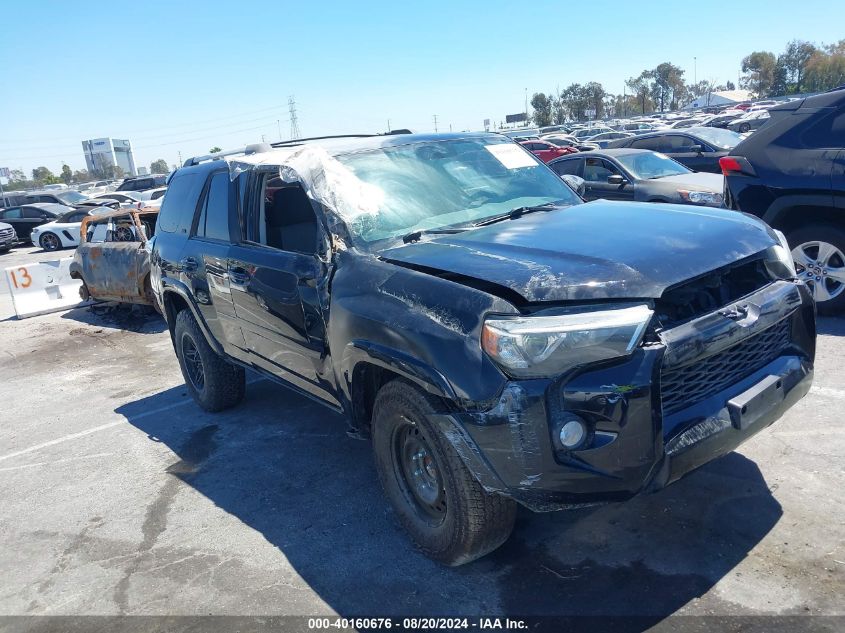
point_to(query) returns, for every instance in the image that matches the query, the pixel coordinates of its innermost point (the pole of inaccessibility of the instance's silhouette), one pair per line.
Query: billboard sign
(516, 118)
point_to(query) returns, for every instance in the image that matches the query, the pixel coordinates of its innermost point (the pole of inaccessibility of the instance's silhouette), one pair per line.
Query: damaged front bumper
(669, 408)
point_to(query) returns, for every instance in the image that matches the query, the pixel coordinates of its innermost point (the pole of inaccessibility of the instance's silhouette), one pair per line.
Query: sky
(177, 78)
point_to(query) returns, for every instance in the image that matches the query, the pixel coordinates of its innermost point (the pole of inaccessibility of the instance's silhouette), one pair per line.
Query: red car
(546, 151)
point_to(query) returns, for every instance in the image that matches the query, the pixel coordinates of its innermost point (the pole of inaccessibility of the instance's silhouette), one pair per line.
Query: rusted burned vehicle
(498, 340)
(112, 259)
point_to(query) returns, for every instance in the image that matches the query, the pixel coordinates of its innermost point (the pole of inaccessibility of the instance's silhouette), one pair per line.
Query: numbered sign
(43, 287)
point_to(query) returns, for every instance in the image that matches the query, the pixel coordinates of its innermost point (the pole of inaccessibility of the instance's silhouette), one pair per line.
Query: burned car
(113, 260)
(498, 340)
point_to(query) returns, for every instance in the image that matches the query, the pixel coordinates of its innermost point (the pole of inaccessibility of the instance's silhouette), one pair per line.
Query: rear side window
(655, 144)
(180, 203)
(33, 213)
(567, 167)
(214, 218)
(829, 132)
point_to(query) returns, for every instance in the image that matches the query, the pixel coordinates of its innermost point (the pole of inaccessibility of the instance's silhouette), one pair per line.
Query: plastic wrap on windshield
(329, 182)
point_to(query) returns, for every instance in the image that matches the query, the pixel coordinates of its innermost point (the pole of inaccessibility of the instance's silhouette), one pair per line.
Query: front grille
(6, 233)
(688, 385)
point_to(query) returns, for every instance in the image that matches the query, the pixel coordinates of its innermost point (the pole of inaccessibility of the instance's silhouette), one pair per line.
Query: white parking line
(104, 427)
(58, 461)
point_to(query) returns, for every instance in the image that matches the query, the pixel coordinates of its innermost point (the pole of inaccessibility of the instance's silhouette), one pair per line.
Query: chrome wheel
(822, 266)
(419, 473)
(50, 242)
(193, 363)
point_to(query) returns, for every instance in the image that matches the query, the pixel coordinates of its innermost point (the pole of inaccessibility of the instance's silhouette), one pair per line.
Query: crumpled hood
(598, 250)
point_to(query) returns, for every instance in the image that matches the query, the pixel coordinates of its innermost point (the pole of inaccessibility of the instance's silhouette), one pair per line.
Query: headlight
(533, 347)
(779, 258)
(701, 197)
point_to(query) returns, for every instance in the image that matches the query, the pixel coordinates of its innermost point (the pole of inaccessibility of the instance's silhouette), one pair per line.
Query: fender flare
(781, 206)
(173, 286)
(401, 363)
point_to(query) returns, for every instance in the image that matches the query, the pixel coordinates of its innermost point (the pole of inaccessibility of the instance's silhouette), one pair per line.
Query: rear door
(204, 259)
(14, 217)
(32, 217)
(279, 285)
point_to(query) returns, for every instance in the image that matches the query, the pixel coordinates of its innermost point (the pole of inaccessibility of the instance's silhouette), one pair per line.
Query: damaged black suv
(499, 341)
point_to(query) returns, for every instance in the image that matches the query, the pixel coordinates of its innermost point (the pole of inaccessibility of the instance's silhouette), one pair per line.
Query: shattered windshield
(436, 184)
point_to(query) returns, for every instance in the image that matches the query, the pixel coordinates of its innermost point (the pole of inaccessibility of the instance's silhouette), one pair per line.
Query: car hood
(702, 181)
(598, 250)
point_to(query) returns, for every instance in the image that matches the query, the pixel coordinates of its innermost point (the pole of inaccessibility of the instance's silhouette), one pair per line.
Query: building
(719, 98)
(102, 155)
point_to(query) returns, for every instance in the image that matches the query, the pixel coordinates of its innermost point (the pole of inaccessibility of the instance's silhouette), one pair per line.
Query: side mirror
(697, 149)
(616, 179)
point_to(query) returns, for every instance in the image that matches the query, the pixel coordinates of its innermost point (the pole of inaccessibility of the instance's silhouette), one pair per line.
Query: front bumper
(639, 444)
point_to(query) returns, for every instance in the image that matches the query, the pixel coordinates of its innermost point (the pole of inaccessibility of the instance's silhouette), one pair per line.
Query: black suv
(791, 173)
(143, 183)
(498, 340)
(699, 148)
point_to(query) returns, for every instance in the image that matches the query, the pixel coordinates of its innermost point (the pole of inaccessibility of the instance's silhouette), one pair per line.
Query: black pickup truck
(498, 340)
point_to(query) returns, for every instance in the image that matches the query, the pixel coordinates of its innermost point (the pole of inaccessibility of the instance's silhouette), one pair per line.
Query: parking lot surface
(120, 496)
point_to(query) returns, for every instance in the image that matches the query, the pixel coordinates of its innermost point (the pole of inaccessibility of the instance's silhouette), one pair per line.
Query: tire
(807, 244)
(459, 522)
(214, 383)
(50, 242)
(744, 128)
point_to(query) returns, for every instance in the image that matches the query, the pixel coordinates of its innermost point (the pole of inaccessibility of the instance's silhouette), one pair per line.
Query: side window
(214, 218)
(33, 213)
(180, 203)
(287, 221)
(597, 170)
(828, 132)
(12, 214)
(655, 144)
(567, 167)
(46, 199)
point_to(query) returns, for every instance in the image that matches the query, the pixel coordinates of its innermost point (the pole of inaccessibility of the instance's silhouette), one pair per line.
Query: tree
(668, 85)
(826, 68)
(43, 176)
(730, 85)
(159, 166)
(594, 95)
(640, 88)
(214, 150)
(67, 174)
(81, 175)
(794, 60)
(118, 172)
(759, 72)
(16, 175)
(542, 107)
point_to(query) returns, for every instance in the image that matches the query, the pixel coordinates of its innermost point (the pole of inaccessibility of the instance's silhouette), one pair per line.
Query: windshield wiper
(518, 212)
(414, 236)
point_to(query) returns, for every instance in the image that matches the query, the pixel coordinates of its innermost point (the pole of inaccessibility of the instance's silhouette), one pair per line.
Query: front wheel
(214, 383)
(446, 512)
(819, 254)
(49, 242)
(744, 128)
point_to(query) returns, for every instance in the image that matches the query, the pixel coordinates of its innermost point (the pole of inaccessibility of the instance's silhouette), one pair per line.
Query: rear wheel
(819, 254)
(446, 512)
(744, 128)
(214, 383)
(50, 242)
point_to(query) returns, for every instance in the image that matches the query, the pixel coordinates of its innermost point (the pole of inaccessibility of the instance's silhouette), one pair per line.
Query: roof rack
(258, 148)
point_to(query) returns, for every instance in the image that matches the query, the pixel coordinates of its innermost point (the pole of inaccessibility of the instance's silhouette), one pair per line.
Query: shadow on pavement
(834, 326)
(284, 466)
(119, 316)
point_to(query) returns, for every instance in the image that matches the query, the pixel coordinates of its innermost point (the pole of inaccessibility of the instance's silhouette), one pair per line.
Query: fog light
(572, 434)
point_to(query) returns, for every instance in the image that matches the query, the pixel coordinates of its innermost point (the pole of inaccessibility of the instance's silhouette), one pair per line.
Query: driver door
(596, 172)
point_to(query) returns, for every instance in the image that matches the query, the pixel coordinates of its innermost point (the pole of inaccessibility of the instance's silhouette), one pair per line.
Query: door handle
(239, 276)
(189, 264)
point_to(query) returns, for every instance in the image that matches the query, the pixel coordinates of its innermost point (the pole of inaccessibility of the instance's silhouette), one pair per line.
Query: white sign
(5, 173)
(590, 113)
(43, 287)
(511, 155)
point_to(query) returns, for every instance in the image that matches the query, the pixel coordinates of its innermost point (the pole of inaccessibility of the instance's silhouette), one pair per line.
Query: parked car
(546, 151)
(641, 175)
(790, 173)
(25, 218)
(751, 120)
(585, 133)
(143, 183)
(499, 341)
(68, 198)
(136, 199)
(723, 118)
(606, 137)
(63, 232)
(699, 148)
(12, 199)
(8, 238)
(112, 260)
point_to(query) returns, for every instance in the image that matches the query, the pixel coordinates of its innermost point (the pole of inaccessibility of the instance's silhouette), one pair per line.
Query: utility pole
(435, 124)
(526, 106)
(279, 125)
(180, 158)
(262, 139)
(294, 122)
(695, 70)
(388, 126)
